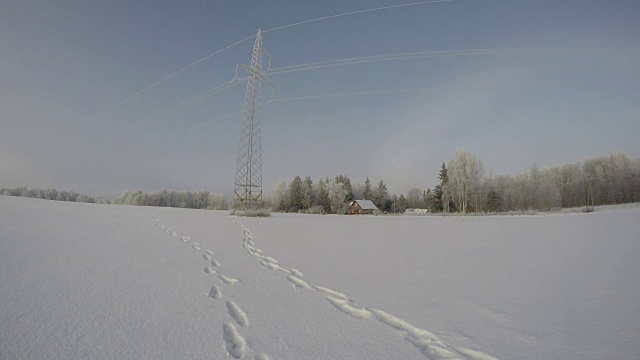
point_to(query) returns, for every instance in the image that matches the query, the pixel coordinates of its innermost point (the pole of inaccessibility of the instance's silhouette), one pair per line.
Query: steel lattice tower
(248, 184)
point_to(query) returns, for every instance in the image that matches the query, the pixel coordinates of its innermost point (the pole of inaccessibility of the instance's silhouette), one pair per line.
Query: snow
(85, 281)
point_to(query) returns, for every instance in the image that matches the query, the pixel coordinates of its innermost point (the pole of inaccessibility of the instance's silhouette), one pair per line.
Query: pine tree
(307, 193)
(323, 196)
(346, 184)
(428, 200)
(381, 195)
(437, 192)
(402, 204)
(367, 189)
(296, 190)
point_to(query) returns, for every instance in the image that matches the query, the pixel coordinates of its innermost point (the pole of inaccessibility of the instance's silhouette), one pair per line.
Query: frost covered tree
(337, 194)
(279, 195)
(296, 193)
(307, 193)
(323, 196)
(381, 195)
(367, 190)
(466, 173)
(217, 201)
(415, 198)
(346, 183)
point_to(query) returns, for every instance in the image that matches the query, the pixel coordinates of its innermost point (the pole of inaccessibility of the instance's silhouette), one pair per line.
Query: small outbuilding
(360, 207)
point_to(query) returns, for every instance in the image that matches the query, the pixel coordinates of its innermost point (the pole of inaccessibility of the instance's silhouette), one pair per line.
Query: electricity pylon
(248, 184)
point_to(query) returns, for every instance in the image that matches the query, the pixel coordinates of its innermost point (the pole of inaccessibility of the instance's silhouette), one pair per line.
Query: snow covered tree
(367, 189)
(307, 193)
(346, 183)
(415, 198)
(296, 193)
(466, 173)
(337, 195)
(323, 196)
(381, 195)
(279, 194)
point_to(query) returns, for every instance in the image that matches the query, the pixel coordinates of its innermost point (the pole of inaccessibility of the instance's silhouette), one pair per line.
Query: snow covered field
(84, 281)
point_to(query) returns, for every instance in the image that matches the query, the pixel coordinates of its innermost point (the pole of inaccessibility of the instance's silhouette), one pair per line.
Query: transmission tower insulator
(248, 184)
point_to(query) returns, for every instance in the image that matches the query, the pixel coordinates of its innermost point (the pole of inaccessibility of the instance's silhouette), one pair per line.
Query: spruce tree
(437, 192)
(307, 193)
(296, 191)
(367, 189)
(381, 195)
(323, 196)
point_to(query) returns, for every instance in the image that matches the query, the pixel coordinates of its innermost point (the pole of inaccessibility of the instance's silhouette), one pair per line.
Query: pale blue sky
(63, 63)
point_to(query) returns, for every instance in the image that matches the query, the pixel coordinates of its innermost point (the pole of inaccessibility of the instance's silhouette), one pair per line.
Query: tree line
(465, 187)
(178, 199)
(52, 194)
(330, 195)
(163, 198)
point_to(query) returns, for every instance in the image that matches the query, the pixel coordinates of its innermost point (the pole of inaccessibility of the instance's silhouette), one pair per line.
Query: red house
(360, 207)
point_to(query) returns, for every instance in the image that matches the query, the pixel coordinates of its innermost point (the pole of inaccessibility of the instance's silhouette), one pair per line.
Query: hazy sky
(64, 63)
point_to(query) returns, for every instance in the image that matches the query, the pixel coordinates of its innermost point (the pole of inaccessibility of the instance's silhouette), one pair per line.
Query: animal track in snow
(235, 343)
(272, 266)
(237, 314)
(296, 272)
(209, 252)
(344, 306)
(427, 342)
(196, 247)
(227, 280)
(262, 357)
(299, 282)
(186, 237)
(215, 292)
(215, 263)
(206, 256)
(209, 270)
(332, 293)
(424, 340)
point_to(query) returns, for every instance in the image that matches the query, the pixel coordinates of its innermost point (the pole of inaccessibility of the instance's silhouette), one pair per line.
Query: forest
(463, 186)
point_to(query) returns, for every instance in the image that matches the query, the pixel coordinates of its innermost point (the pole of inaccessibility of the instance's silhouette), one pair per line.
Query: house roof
(366, 204)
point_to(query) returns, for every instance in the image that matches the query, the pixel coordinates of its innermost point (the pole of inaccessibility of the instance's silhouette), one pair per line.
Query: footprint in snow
(299, 283)
(237, 314)
(227, 280)
(296, 272)
(215, 292)
(209, 270)
(235, 343)
(206, 256)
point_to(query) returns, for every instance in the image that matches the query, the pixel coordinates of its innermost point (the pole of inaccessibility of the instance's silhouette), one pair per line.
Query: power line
(377, 58)
(430, 54)
(373, 92)
(191, 100)
(355, 12)
(162, 80)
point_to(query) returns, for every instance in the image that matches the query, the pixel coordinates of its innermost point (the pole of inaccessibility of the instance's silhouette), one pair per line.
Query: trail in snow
(427, 342)
(235, 344)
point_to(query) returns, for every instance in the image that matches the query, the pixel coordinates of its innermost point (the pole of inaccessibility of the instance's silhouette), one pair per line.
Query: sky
(69, 72)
